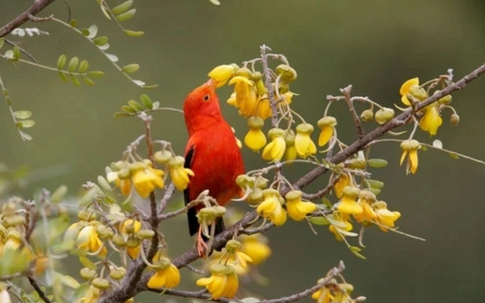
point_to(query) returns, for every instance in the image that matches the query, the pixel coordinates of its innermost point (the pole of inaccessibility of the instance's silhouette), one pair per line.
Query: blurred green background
(374, 45)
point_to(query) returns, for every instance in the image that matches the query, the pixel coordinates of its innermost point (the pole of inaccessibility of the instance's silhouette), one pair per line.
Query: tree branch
(36, 7)
(39, 290)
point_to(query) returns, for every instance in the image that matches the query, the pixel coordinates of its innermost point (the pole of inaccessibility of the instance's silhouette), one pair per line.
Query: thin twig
(346, 92)
(179, 211)
(23, 51)
(166, 198)
(268, 84)
(36, 7)
(319, 194)
(39, 290)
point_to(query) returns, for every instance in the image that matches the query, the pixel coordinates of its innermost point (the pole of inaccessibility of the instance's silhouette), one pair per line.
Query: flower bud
(145, 234)
(384, 115)
(327, 121)
(87, 274)
(286, 72)
(351, 191)
(132, 242)
(117, 273)
(244, 181)
(256, 196)
(104, 232)
(261, 182)
(454, 119)
(100, 283)
(445, 99)
(367, 115)
(86, 215)
(244, 72)
(118, 240)
(162, 156)
(418, 92)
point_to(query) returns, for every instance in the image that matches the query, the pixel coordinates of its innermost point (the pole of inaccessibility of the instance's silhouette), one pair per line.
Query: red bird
(211, 153)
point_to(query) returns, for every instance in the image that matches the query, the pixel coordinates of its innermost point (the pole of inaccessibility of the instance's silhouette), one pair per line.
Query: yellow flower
(322, 295)
(232, 100)
(327, 126)
(246, 95)
(275, 150)
(288, 97)
(339, 222)
(366, 199)
(167, 275)
(298, 209)
(411, 87)
(88, 239)
(91, 295)
(131, 227)
(14, 243)
(223, 282)
(179, 174)
(233, 249)
(255, 138)
(385, 217)
(263, 108)
(343, 181)
(303, 143)
(431, 120)
(121, 178)
(410, 148)
(146, 179)
(222, 73)
(215, 258)
(256, 247)
(347, 205)
(271, 207)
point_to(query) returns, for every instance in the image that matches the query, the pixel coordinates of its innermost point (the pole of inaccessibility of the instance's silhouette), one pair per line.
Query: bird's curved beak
(212, 84)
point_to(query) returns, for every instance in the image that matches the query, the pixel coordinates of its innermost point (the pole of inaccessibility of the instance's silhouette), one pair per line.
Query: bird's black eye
(206, 98)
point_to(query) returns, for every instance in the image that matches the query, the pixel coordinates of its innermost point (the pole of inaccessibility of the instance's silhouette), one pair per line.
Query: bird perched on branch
(212, 154)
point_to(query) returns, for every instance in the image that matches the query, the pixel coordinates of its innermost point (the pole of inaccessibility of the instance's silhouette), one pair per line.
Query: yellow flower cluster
(223, 282)
(166, 274)
(362, 205)
(144, 178)
(333, 292)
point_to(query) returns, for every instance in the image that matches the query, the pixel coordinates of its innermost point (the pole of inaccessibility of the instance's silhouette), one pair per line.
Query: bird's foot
(201, 246)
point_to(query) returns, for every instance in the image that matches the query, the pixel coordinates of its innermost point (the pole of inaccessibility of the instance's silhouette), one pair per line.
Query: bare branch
(346, 92)
(269, 86)
(36, 7)
(39, 290)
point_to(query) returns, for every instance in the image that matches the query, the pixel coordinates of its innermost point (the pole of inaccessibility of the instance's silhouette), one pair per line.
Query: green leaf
(454, 156)
(96, 73)
(377, 163)
(130, 68)
(73, 23)
(103, 184)
(87, 80)
(375, 191)
(112, 57)
(355, 252)
(63, 76)
(59, 194)
(83, 66)
(102, 40)
(424, 148)
(61, 61)
(16, 52)
(375, 183)
(25, 123)
(128, 109)
(2, 41)
(75, 80)
(319, 221)
(135, 105)
(134, 33)
(121, 115)
(22, 114)
(215, 2)
(126, 15)
(123, 7)
(25, 137)
(85, 31)
(156, 105)
(87, 263)
(73, 64)
(146, 101)
(152, 86)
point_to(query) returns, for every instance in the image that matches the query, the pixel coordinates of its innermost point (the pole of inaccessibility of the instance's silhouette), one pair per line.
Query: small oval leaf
(102, 40)
(63, 76)
(25, 123)
(134, 33)
(123, 7)
(126, 15)
(96, 73)
(87, 80)
(146, 101)
(74, 80)
(128, 109)
(22, 114)
(156, 105)
(73, 64)
(83, 66)
(2, 41)
(454, 156)
(61, 61)
(120, 115)
(112, 57)
(375, 183)
(319, 221)
(135, 105)
(377, 163)
(92, 31)
(130, 68)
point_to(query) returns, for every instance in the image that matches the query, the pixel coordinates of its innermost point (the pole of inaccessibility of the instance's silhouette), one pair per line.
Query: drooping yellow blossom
(303, 143)
(347, 204)
(340, 222)
(275, 150)
(256, 247)
(223, 282)
(145, 180)
(431, 120)
(223, 73)
(130, 227)
(271, 207)
(298, 209)
(343, 181)
(246, 95)
(290, 150)
(255, 138)
(178, 173)
(91, 295)
(166, 275)
(263, 108)
(215, 258)
(322, 295)
(410, 149)
(384, 216)
(121, 178)
(88, 239)
(326, 125)
(366, 199)
(234, 249)
(411, 87)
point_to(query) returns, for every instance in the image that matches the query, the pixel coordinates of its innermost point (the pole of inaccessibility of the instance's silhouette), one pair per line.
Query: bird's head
(202, 103)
